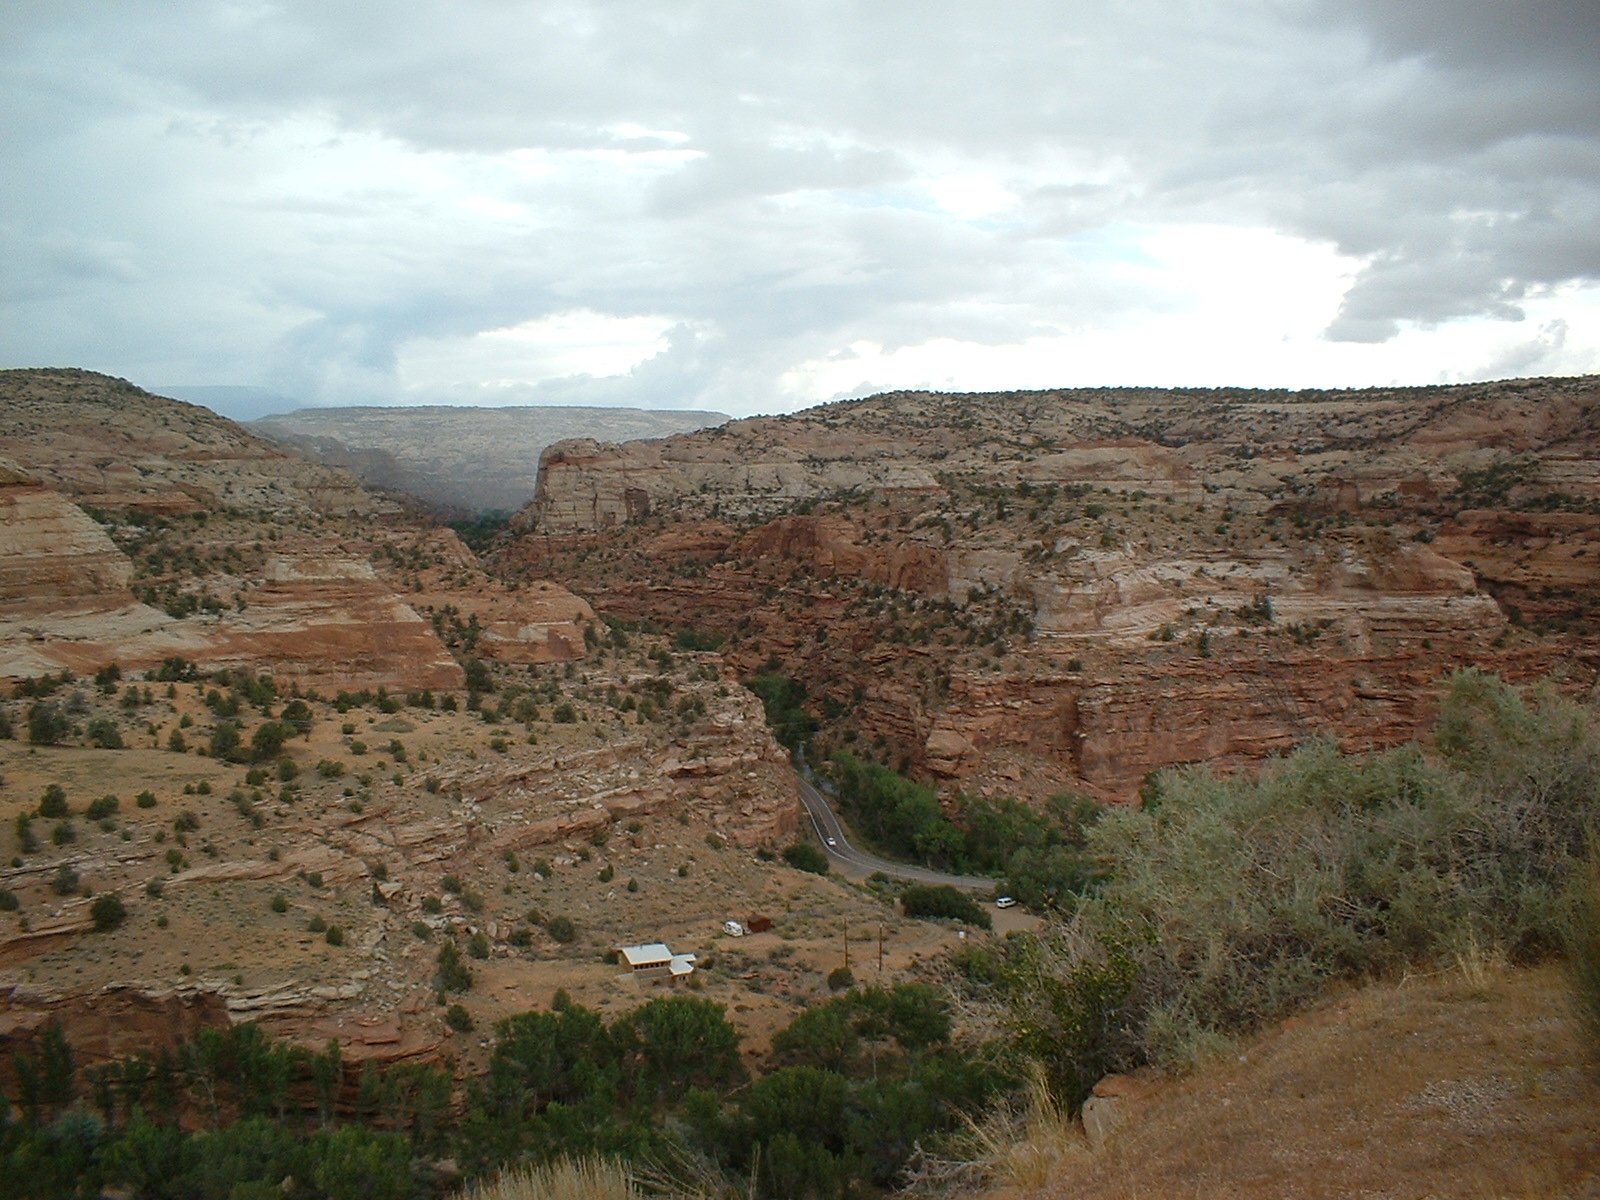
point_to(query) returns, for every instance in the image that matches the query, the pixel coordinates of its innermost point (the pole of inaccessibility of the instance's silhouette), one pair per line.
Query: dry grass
(1479, 967)
(1024, 1147)
(1020, 1145)
(1461, 1085)
(565, 1179)
(684, 1178)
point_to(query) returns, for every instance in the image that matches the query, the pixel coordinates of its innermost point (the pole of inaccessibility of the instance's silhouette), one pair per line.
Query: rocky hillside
(1393, 1090)
(109, 445)
(471, 459)
(1023, 592)
(303, 737)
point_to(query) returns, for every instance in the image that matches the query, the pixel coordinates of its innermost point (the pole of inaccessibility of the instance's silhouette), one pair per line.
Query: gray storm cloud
(292, 194)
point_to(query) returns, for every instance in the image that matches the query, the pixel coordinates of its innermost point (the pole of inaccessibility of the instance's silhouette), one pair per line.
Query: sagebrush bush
(1583, 951)
(1234, 902)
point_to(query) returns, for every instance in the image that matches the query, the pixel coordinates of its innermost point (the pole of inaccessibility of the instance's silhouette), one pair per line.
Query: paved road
(858, 864)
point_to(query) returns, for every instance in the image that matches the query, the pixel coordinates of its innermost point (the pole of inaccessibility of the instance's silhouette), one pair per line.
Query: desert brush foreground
(324, 821)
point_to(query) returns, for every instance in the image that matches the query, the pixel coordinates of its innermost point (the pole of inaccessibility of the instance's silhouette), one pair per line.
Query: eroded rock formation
(50, 550)
(1031, 591)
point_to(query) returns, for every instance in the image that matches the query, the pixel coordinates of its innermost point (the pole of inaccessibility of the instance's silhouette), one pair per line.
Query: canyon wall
(1071, 589)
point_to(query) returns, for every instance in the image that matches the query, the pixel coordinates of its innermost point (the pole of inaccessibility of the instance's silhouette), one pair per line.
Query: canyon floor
(402, 828)
(1012, 595)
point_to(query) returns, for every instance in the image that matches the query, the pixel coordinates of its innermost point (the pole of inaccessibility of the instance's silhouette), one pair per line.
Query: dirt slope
(1430, 1088)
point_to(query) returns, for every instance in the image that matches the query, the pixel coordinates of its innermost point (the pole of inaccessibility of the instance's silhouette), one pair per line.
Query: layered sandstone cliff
(212, 545)
(1033, 591)
(1245, 448)
(50, 550)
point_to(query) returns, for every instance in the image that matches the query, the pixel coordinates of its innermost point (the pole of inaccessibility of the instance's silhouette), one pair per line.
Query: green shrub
(53, 804)
(334, 936)
(458, 1019)
(107, 911)
(924, 900)
(47, 724)
(104, 734)
(561, 929)
(9, 901)
(781, 700)
(452, 975)
(479, 678)
(1238, 901)
(266, 743)
(226, 740)
(279, 904)
(478, 945)
(26, 841)
(102, 808)
(803, 856)
(145, 799)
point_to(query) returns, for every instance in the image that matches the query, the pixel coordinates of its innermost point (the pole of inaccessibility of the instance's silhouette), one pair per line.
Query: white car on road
(1005, 902)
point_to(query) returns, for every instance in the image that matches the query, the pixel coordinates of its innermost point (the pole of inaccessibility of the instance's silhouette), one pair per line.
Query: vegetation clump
(1231, 903)
(803, 856)
(943, 901)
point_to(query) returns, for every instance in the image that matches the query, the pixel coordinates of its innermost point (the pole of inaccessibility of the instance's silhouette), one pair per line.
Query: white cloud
(747, 207)
(968, 197)
(580, 342)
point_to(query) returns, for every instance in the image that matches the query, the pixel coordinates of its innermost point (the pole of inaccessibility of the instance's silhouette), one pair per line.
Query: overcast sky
(753, 207)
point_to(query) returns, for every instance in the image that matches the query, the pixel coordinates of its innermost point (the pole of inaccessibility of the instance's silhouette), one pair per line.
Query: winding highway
(858, 864)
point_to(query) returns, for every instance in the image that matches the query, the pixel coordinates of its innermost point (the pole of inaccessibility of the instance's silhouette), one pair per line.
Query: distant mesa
(472, 459)
(237, 403)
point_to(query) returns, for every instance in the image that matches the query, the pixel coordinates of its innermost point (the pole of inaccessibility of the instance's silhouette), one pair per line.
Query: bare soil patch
(1428, 1088)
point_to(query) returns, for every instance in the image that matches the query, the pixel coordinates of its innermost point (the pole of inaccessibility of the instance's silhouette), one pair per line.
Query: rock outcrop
(51, 551)
(1032, 592)
(109, 445)
(1241, 448)
(213, 545)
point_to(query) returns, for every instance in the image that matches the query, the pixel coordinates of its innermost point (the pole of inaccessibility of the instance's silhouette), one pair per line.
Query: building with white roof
(656, 956)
